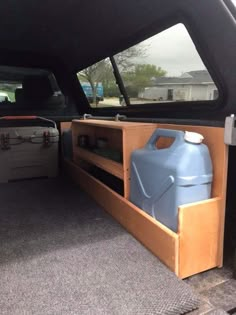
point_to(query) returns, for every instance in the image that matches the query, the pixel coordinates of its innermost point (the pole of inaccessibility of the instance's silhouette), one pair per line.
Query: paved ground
(113, 101)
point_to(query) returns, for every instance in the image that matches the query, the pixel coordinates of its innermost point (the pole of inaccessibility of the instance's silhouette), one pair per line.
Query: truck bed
(60, 253)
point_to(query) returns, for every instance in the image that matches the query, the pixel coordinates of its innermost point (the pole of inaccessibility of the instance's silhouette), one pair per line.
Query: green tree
(140, 77)
(102, 71)
(94, 74)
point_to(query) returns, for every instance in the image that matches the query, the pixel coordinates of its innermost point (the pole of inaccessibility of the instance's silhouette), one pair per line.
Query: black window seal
(119, 81)
(193, 105)
(231, 7)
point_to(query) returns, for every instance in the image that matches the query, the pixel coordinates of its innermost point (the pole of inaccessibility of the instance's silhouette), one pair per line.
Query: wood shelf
(111, 124)
(160, 240)
(192, 250)
(124, 137)
(198, 244)
(108, 165)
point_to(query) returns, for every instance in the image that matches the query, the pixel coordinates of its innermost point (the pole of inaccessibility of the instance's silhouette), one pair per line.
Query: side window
(165, 68)
(22, 85)
(7, 90)
(99, 85)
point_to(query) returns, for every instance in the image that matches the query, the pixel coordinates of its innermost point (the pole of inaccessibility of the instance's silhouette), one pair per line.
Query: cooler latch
(46, 138)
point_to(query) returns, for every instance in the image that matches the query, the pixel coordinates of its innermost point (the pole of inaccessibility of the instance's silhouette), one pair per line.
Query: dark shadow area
(230, 218)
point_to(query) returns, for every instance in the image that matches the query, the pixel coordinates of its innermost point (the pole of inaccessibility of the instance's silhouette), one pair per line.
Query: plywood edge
(108, 165)
(65, 125)
(199, 233)
(223, 208)
(122, 125)
(161, 241)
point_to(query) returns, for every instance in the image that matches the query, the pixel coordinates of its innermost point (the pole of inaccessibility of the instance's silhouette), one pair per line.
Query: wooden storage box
(198, 245)
(123, 137)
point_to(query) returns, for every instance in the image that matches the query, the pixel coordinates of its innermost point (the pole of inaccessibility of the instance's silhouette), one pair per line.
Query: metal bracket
(46, 138)
(118, 117)
(86, 116)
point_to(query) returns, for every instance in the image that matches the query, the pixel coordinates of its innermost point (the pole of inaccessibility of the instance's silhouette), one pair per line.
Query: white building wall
(199, 92)
(210, 91)
(181, 92)
(154, 93)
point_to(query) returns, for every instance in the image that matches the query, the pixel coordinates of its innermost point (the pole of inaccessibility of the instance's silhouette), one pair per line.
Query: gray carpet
(60, 253)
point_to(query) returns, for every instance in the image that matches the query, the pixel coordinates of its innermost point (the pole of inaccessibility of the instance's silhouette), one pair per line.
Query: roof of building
(191, 77)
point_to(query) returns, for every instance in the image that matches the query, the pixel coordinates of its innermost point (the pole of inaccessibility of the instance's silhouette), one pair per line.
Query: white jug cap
(193, 137)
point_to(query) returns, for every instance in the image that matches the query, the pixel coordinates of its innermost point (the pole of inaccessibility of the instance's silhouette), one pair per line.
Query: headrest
(19, 95)
(37, 87)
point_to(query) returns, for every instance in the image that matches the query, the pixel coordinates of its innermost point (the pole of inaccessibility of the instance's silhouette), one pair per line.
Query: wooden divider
(214, 139)
(199, 236)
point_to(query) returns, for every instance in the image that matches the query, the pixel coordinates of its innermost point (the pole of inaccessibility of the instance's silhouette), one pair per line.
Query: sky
(173, 50)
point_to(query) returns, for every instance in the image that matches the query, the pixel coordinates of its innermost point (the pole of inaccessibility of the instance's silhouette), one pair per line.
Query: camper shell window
(163, 69)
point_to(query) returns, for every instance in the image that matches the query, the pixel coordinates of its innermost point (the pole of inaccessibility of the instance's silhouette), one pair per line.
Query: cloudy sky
(173, 50)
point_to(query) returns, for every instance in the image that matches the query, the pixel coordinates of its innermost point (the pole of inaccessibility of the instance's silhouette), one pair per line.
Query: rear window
(99, 85)
(166, 68)
(26, 86)
(7, 90)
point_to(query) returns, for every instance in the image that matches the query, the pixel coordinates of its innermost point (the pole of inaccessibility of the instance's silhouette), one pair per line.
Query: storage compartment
(198, 244)
(121, 139)
(104, 177)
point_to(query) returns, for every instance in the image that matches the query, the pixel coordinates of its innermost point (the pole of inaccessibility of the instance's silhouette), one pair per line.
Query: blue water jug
(164, 179)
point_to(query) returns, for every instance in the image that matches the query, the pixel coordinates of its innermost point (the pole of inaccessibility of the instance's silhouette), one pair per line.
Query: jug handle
(165, 133)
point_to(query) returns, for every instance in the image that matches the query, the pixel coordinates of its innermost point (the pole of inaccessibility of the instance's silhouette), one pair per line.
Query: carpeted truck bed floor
(60, 253)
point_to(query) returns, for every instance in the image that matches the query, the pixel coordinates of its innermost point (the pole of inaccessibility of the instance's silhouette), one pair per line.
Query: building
(190, 86)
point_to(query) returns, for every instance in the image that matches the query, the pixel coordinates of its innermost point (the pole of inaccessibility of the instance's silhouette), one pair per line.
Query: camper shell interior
(72, 242)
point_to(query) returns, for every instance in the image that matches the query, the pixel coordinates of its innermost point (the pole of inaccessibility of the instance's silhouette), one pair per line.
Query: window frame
(231, 6)
(210, 105)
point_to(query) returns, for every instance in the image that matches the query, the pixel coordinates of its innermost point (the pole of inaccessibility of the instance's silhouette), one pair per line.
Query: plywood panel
(111, 124)
(110, 166)
(155, 236)
(65, 125)
(198, 246)
(214, 139)
(199, 226)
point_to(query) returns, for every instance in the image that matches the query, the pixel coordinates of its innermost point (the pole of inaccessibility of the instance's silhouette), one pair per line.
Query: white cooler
(28, 152)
